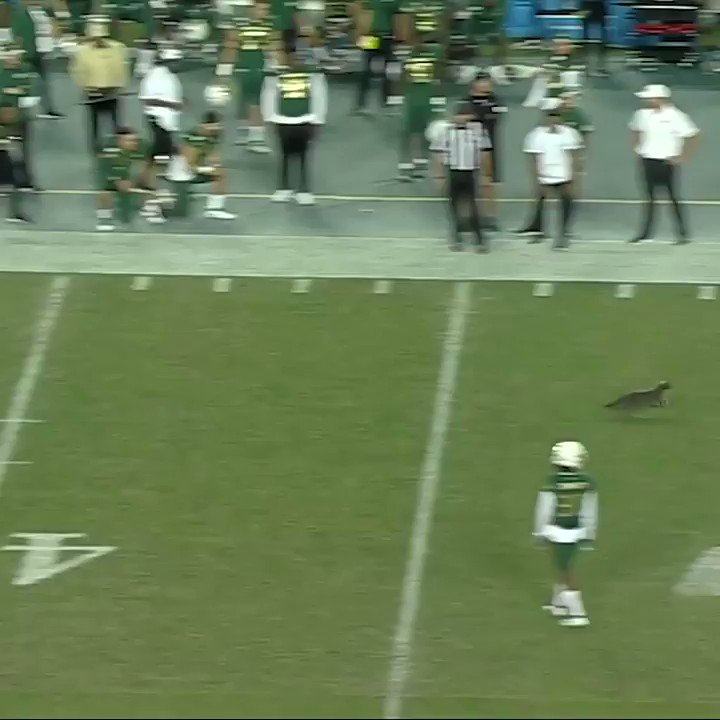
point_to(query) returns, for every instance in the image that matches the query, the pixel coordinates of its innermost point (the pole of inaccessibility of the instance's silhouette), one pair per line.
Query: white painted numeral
(41, 558)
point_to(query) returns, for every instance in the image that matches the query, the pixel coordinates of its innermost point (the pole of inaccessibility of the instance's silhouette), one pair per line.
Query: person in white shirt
(161, 95)
(553, 150)
(663, 137)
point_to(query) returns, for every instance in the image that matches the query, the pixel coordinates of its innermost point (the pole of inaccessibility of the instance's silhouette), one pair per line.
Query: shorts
(250, 86)
(162, 143)
(563, 555)
(289, 39)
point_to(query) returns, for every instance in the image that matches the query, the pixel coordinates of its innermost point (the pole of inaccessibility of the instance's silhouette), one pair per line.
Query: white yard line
(382, 287)
(301, 285)
(430, 476)
(141, 282)
(221, 285)
(31, 371)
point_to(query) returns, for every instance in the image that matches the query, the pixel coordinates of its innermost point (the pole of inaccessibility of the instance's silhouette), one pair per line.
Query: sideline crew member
(462, 149)
(100, 69)
(663, 138)
(552, 149)
(295, 101)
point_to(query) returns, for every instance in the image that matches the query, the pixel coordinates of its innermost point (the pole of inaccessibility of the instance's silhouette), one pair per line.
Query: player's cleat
(155, 218)
(18, 218)
(104, 226)
(575, 621)
(555, 610)
(220, 214)
(305, 198)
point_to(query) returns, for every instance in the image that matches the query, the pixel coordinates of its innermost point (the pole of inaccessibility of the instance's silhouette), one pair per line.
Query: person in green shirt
(566, 516)
(560, 72)
(20, 89)
(120, 164)
(376, 26)
(199, 162)
(11, 170)
(246, 51)
(424, 99)
(285, 23)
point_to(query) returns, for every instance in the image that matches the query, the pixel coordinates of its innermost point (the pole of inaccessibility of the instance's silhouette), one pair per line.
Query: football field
(258, 497)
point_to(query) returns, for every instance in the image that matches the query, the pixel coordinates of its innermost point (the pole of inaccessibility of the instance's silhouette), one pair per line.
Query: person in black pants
(488, 109)
(594, 17)
(372, 57)
(462, 152)
(13, 173)
(660, 174)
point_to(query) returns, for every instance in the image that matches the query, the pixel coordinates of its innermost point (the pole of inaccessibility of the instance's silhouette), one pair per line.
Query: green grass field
(255, 455)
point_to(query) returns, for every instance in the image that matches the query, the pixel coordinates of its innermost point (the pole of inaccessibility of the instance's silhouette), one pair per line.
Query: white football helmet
(569, 453)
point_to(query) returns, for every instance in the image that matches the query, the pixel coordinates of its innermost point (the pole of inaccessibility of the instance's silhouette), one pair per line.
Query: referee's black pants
(11, 178)
(100, 106)
(294, 146)
(39, 65)
(463, 206)
(383, 53)
(660, 174)
(563, 190)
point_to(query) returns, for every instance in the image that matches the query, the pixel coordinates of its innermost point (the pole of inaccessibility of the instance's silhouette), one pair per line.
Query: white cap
(654, 91)
(549, 104)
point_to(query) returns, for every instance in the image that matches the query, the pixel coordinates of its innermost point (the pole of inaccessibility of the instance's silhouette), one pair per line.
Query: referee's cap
(651, 92)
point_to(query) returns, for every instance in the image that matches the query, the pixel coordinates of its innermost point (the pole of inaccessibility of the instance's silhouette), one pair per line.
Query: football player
(566, 515)
(246, 48)
(559, 73)
(199, 162)
(121, 161)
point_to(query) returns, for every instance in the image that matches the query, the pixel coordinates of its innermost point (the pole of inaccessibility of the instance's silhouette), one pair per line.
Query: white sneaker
(575, 621)
(219, 214)
(555, 610)
(104, 226)
(282, 196)
(155, 218)
(305, 198)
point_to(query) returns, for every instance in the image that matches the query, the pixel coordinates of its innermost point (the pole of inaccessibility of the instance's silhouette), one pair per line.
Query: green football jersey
(204, 144)
(486, 16)
(422, 70)
(283, 13)
(383, 12)
(116, 163)
(428, 16)
(577, 119)
(254, 40)
(569, 489)
(18, 82)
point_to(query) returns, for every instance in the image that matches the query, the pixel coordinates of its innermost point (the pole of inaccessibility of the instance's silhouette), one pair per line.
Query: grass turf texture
(254, 456)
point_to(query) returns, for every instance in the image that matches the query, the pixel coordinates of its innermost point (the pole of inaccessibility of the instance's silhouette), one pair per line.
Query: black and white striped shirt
(462, 146)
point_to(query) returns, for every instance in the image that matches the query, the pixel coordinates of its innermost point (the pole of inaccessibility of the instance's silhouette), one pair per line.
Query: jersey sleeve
(544, 510)
(530, 145)
(589, 512)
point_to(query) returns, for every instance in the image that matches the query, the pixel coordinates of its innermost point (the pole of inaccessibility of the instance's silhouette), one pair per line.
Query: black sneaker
(18, 218)
(51, 115)
(640, 238)
(529, 232)
(682, 240)
(561, 244)
(482, 248)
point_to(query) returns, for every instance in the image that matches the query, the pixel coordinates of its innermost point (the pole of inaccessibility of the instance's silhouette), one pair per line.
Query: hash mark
(221, 285)
(707, 292)
(382, 287)
(543, 289)
(140, 283)
(301, 285)
(625, 291)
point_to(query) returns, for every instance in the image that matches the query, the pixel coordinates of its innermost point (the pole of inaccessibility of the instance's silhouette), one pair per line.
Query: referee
(462, 151)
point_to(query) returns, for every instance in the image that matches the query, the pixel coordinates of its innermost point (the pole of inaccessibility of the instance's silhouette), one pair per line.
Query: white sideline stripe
(418, 198)
(427, 492)
(141, 282)
(31, 370)
(21, 421)
(707, 292)
(301, 285)
(543, 289)
(382, 287)
(625, 291)
(221, 285)
(16, 462)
